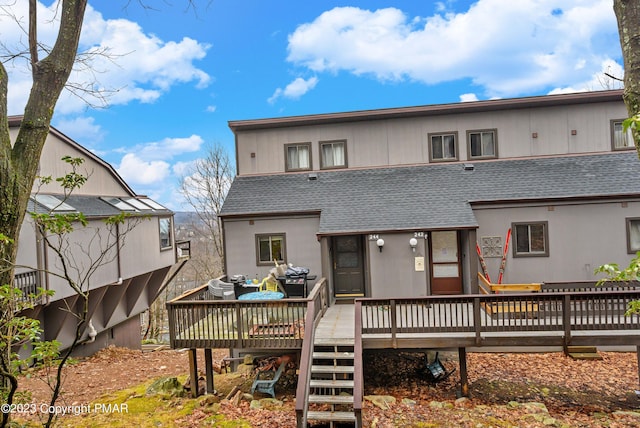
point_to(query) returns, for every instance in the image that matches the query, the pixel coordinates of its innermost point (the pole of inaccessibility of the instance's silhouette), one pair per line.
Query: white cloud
(167, 148)
(295, 89)
(211, 109)
(468, 97)
(140, 67)
(135, 170)
(506, 47)
(599, 81)
(84, 130)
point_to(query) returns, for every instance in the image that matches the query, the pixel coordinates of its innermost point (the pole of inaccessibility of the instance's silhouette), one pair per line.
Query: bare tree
(204, 187)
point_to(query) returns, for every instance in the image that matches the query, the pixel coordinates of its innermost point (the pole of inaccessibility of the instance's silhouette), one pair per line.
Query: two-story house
(399, 202)
(141, 253)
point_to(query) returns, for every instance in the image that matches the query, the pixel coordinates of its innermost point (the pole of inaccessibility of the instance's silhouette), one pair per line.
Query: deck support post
(464, 379)
(638, 358)
(208, 368)
(193, 372)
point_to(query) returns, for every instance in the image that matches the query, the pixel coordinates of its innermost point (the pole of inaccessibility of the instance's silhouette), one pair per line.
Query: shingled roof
(433, 196)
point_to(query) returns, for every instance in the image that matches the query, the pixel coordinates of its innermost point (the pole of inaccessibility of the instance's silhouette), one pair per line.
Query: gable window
(483, 143)
(443, 147)
(530, 239)
(298, 156)
(633, 235)
(270, 248)
(620, 140)
(165, 233)
(333, 154)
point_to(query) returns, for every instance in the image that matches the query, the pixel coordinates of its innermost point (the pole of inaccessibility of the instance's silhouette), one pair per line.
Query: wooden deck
(595, 318)
(466, 322)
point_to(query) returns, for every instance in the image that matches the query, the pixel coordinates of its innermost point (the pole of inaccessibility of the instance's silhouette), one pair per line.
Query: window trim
(455, 146)
(170, 246)
(286, 156)
(495, 143)
(515, 252)
(628, 221)
(270, 235)
(613, 135)
(322, 160)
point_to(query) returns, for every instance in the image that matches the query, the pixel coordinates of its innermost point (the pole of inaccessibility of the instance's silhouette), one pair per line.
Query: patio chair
(269, 284)
(435, 371)
(267, 386)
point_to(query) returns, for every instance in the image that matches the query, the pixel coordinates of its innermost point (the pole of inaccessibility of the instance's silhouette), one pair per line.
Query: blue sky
(177, 75)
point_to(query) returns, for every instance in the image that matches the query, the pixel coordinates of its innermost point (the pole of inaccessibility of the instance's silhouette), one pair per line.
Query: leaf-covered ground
(507, 390)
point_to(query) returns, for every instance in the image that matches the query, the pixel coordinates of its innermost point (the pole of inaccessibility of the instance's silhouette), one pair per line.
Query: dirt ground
(571, 390)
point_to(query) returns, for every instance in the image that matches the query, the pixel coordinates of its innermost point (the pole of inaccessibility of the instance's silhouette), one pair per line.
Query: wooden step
(333, 355)
(331, 399)
(582, 349)
(331, 369)
(330, 341)
(585, 356)
(329, 383)
(331, 416)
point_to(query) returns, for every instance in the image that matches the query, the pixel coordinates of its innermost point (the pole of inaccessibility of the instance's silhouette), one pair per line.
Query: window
(119, 203)
(620, 140)
(333, 154)
(443, 147)
(165, 233)
(270, 248)
(633, 235)
(52, 203)
(530, 239)
(298, 156)
(482, 144)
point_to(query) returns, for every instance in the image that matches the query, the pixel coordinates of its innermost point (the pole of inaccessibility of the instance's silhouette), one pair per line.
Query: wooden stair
(331, 385)
(583, 353)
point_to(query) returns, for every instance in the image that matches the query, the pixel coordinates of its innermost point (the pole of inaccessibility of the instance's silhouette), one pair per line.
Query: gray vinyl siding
(404, 141)
(581, 238)
(302, 245)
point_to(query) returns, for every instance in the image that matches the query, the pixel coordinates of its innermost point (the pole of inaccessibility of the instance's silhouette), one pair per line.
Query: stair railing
(316, 307)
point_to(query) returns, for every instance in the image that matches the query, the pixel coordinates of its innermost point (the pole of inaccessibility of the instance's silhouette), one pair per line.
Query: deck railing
(196, 320)
(485, 317)
(319, 301)
(29, 283)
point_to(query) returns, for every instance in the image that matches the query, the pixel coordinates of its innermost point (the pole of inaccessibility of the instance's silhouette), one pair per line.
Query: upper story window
(270, 248)
(443, 147)
(633, 235)
(333, 154)
(298, 156)
(530, 239)
(165, 233)
(483, 143)
(620, 140)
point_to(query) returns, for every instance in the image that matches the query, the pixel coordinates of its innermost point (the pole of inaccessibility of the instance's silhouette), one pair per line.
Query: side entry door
(348, 266)
(444, 257)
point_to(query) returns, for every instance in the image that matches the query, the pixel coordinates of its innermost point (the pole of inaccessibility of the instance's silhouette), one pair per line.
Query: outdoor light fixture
(412, 243)
(380, 244)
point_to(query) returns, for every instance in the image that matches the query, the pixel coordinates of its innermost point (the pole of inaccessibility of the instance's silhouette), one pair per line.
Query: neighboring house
(391, 202)
(132, 275)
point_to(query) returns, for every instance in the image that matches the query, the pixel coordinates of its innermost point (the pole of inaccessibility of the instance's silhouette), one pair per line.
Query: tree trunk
(19, 163)
(628, 16)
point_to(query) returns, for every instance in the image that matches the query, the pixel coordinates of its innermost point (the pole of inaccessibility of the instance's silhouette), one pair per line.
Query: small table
(262, 295)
